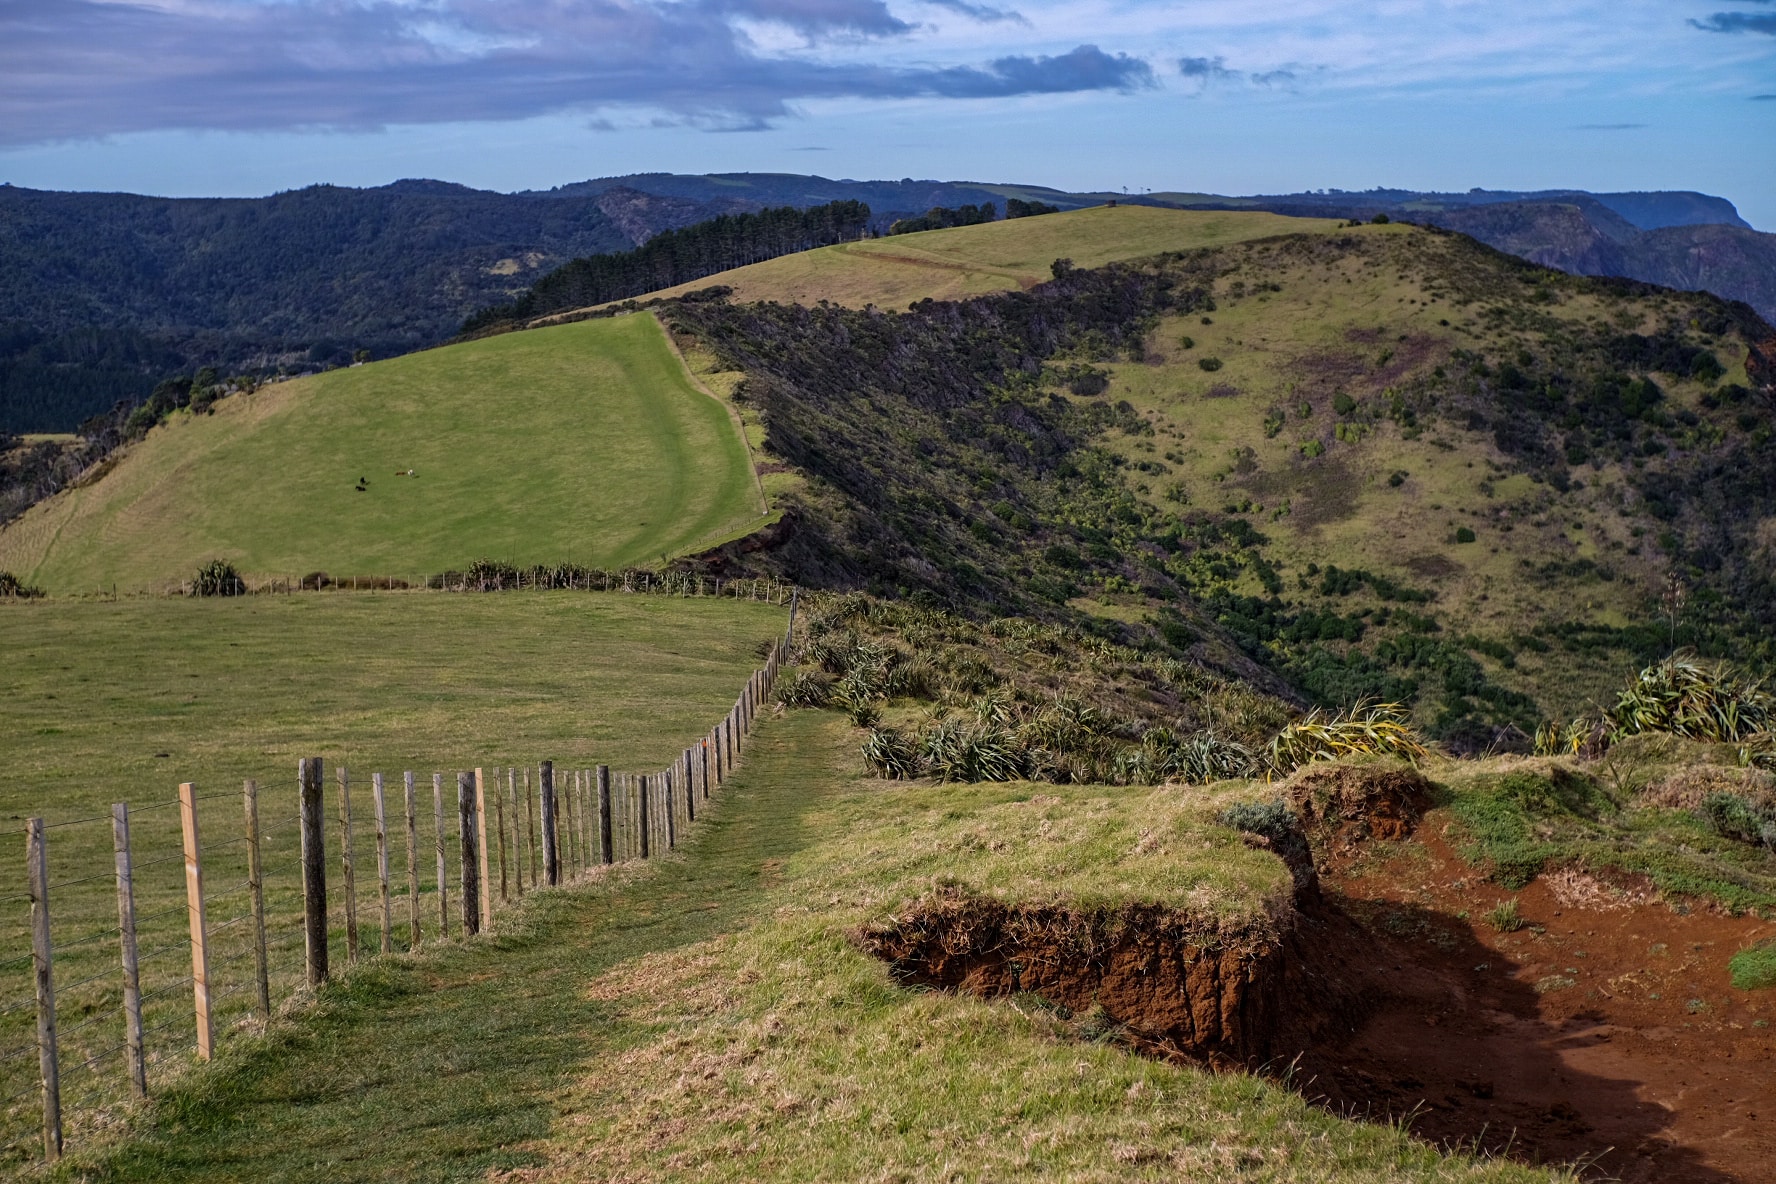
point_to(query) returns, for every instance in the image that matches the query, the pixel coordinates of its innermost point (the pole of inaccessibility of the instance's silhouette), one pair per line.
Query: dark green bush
(13, 589)
(1735, 816)
(218, 578)
(1209, 364)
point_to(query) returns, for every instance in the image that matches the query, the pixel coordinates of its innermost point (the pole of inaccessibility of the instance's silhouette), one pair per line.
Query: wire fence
(159, 936)
(481, 577)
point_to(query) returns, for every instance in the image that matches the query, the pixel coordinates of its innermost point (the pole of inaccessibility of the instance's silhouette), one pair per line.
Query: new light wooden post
(194, 904)
(347, 872)
(443, 879)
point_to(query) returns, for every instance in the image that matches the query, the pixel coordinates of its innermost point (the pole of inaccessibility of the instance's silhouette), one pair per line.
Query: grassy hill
(992, 257)
(584, 442)
(1389, 461)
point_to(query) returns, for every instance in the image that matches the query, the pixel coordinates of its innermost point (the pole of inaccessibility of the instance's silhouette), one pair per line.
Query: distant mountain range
(102, 295)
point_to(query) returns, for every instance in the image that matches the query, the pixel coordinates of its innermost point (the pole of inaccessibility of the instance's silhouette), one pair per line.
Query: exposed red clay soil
(1605, 1031)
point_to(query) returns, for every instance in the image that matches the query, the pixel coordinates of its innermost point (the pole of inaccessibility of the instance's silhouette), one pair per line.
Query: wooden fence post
(604, 814)
(687, 786)
(42, 963)
(670, 813)
(584, 812)
(412, 861)
(551, 838)
(641, 825)
(530, 827)
(134, 1053)
(470, 874)
(200, 937)
(499, 826)
(382, 864)
(721, 774)
(314, 869)
(256, 896)
(350, 880)
(484, 887)
(703, 765)
(517, 831)
(443, 880)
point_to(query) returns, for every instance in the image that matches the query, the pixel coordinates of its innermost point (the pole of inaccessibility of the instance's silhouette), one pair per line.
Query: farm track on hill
(447, 1065)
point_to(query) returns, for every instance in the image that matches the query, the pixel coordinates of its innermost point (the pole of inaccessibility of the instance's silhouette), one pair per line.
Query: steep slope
(586, 442)
(1390, 461)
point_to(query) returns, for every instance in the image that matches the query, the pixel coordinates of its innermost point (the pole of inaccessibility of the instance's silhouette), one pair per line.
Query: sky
(246, 97)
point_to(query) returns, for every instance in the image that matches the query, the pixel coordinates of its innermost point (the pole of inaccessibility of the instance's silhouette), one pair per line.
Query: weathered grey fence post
(551, 838)
(530, 826)
(134, 1053)
(412, 860)
(42, 964)
(483, 886)
(311, 811)
(604, 814)
(200, 936)
(443, 879)
(517, 831)
(256, 896)
(671, 814)
(641, 826)
(348, 873)
(499, 826)
(470, 874)
(688, 791)
(721, 773)
(382, 864)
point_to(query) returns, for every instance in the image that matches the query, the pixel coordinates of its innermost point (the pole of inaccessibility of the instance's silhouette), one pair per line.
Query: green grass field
(121, 702)
(586, 443)
(710, 1018)
(993, 257)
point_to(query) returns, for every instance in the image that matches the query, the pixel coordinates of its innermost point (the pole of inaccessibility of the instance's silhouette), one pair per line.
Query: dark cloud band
(82, 68)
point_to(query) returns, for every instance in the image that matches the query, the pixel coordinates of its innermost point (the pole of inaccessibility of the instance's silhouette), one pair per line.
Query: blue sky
(199, 97)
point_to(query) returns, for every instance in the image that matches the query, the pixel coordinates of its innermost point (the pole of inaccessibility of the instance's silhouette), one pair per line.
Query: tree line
(679, 256)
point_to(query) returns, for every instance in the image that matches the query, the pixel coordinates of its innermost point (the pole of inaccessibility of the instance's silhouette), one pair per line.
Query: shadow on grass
(444, 1065)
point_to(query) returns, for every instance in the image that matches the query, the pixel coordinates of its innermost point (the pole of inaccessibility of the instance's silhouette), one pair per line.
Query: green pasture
(586, 443)
(108, 702)
(993, 257)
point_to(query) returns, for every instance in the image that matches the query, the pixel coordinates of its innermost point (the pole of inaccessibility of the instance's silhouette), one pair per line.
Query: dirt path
(447, 1065)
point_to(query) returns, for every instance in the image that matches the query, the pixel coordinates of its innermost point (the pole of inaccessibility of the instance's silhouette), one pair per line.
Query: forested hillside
(681, 256)
(103, 295)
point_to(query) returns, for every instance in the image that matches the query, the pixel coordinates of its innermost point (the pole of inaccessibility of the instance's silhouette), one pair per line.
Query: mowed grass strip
(109, 702)
(993, 257)
(710, 1019)
(583, 442)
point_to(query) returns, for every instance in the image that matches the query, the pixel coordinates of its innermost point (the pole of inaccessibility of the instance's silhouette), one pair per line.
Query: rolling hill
(991, 257)
(586, 442)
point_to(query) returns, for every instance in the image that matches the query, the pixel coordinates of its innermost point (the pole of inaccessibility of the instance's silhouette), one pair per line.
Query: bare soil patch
(1603, 1031)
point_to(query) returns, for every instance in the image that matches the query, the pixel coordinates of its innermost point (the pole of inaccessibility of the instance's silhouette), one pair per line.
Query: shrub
(1187, 341)
(1378, 729)
(1464, 535)
(1209, 364)
(1754, 969)
(12, 588)
(218, 578)
(1683, 697)
(1735, 816)
(808, 688)
(1271, 819)
(890, 755)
